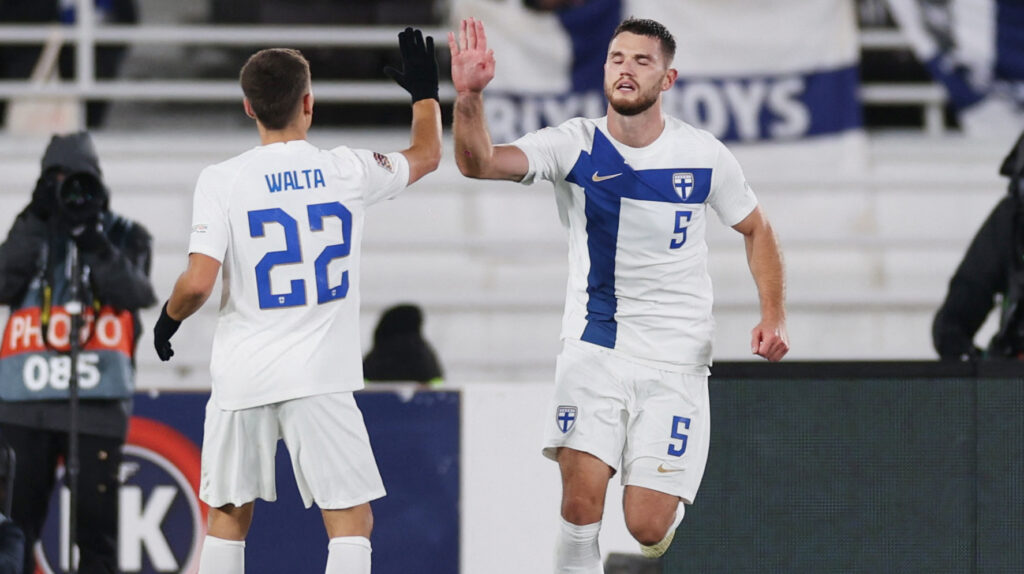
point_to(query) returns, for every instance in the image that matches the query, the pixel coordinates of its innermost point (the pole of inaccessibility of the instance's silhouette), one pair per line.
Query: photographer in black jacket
(70, 207)
(992, 267)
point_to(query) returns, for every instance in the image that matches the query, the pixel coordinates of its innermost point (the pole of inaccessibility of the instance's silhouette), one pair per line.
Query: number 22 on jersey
(292, 253)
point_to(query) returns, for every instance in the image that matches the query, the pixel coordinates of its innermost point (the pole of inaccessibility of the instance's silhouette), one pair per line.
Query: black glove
(419, 65)
(163, 331)
(44, 196)
(89, 237)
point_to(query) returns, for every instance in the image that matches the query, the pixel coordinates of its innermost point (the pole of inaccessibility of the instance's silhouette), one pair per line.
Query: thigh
(589, 409)
(330, 451)
(669, 434)
(584, 484)
(238, 455)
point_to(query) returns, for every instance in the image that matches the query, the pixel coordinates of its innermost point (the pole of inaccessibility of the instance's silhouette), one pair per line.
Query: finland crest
(566, 418)
(682, 182)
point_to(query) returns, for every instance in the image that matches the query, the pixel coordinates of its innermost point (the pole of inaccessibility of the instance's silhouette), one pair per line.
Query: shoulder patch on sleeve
(384, 161)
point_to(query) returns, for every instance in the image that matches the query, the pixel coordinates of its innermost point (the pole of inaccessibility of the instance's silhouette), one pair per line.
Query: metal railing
(85, 35)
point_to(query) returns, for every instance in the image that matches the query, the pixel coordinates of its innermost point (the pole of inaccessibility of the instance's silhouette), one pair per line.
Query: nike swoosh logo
(597, 178)
(661, 468)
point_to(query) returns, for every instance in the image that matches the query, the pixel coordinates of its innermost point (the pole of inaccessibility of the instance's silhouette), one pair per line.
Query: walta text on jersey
(296, 179)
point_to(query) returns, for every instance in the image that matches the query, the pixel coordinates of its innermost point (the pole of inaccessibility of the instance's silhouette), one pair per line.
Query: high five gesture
(472, 70)
(472, 62)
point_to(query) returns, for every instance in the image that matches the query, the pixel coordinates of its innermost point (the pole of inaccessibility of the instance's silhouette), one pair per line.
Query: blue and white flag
(975, 50)
(749, 70)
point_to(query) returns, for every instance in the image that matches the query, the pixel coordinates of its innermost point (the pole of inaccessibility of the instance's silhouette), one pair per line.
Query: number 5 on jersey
(292, 253)
(682, 220)
(679, 434)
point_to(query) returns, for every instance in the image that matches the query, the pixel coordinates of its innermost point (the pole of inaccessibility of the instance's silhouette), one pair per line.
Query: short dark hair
(274, 81)
(651, 29)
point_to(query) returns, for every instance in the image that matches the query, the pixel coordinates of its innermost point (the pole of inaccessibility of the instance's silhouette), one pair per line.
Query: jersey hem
(270, 399)
(694, 368)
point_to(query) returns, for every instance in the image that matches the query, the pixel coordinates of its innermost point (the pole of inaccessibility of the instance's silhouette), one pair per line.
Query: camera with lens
(80, 197)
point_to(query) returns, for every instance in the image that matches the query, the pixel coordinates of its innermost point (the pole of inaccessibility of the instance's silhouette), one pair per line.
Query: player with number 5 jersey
(283, 223)
(633, 190)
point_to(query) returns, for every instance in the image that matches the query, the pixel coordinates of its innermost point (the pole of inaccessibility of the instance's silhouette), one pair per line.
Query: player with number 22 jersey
(270, 215)
(282, 224)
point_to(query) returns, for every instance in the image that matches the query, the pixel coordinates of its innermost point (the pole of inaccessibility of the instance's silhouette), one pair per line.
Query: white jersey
(636, 220)
(286, 222)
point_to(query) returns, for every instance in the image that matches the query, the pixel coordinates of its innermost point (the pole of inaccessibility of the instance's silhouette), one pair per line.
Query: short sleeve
(731, 196)
(541, 149)
(210, 227)
(386, 174)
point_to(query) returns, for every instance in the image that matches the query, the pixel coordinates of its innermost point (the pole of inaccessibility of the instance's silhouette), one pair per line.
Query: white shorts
(326, 439)
(652, 423)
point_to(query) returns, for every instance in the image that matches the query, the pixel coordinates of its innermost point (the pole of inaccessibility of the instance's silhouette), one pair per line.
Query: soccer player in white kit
(284, 222)
(632, 190)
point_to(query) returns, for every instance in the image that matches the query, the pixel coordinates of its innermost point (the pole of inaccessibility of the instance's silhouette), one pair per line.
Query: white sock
(220, 556)
(576, 551)
(348, 555)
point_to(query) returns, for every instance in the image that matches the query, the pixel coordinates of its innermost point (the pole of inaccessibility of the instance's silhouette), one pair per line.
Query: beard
(632, 107)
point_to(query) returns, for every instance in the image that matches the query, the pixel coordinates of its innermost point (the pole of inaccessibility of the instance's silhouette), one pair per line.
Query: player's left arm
(419, 77)
(768, 338)
(191, 290)
(424, 151)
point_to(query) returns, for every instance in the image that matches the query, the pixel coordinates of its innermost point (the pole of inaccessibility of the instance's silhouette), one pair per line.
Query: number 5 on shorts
(678, 434)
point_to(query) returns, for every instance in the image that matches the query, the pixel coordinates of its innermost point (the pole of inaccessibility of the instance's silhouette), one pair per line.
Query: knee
(366, 521)
(230, 522)
(355, 521)
(582, 508)
(646, 531)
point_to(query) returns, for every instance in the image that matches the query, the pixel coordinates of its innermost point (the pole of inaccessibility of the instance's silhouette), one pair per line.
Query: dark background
(860, 467)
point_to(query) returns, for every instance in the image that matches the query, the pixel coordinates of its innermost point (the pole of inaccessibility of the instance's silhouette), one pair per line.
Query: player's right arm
(191, 290)
(472, 70)
(193, 286)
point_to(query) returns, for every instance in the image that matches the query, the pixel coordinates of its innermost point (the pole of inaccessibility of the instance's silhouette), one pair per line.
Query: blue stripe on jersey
(606, 178)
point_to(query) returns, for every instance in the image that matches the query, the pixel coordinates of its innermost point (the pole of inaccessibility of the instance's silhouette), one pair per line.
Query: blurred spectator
(400, 353)
(993, 266)
(16, 62)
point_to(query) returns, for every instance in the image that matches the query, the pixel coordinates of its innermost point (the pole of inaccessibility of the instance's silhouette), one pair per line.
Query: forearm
(473, 147)
(765, 260)
(187, 297)
(424, 153)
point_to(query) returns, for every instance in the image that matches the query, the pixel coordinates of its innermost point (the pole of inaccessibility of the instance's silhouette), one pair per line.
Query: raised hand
(472, 62)
(419, 65)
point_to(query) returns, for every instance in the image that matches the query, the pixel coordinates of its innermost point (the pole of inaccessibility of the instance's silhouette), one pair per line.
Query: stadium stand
(869, 247)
